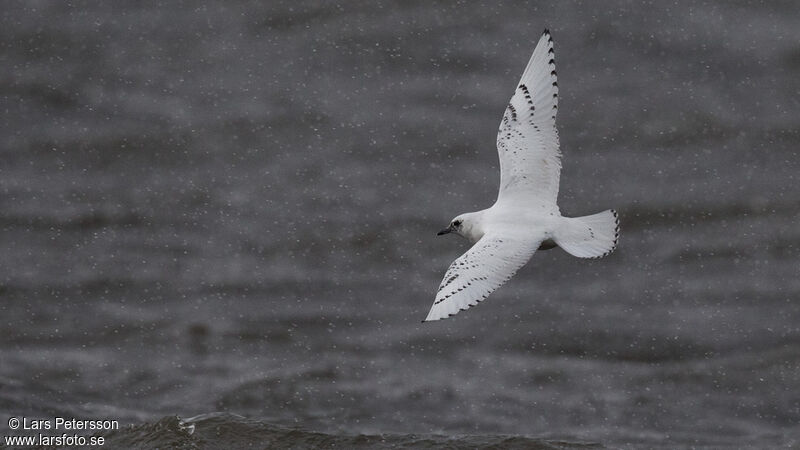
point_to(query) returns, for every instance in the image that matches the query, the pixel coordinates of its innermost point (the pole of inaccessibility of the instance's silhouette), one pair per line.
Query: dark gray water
(228, 212)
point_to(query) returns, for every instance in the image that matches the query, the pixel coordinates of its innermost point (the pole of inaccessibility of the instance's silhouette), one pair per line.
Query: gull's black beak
(445, 231)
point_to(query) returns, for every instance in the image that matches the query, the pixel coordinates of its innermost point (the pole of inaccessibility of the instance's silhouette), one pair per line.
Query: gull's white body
(525, 216)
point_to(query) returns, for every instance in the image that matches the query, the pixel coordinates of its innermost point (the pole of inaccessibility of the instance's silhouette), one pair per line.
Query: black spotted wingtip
(546, 34)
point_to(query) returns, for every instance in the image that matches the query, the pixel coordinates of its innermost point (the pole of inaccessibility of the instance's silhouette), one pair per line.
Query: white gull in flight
(525, 216)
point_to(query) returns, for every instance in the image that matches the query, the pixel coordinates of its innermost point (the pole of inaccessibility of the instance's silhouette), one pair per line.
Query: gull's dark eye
(456, 223)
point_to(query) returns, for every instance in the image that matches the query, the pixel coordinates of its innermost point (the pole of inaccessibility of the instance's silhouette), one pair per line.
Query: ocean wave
(225, 430)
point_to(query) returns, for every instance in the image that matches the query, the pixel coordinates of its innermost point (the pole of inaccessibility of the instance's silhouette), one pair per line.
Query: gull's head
(465, 225)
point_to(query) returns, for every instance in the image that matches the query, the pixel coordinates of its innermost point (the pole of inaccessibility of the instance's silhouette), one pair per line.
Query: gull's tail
(592, 236)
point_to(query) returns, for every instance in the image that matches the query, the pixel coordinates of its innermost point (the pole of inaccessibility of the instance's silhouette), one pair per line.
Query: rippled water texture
(227, 211)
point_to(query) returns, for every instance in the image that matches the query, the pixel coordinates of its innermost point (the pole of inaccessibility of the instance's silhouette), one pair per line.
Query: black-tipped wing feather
(527, 141)
(492, 261)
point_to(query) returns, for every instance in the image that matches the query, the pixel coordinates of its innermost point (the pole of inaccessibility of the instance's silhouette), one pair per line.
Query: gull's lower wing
(527, 141)
(492, 261)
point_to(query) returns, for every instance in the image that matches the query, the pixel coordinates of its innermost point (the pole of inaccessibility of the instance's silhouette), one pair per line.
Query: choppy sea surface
(218, 224)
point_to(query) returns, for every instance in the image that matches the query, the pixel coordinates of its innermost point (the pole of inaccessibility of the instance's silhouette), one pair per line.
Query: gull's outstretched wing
(530, 161)
(492, 261)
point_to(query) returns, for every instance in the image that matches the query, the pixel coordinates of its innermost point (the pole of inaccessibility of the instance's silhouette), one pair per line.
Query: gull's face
(455, 227)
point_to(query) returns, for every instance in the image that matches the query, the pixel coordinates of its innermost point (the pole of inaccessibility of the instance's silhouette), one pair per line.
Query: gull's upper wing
(530, 161)
(492, 261)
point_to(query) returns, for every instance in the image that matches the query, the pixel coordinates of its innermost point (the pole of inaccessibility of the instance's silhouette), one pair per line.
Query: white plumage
(525, 216)
(527, 141)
